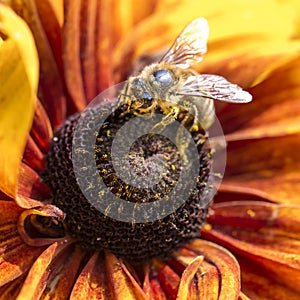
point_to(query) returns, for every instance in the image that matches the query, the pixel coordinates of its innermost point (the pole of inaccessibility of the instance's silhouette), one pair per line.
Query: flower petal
(257, 283)
(226, 19)
(18, 77)
(15, 256)
(36, 234)
(32, 191)
(217, 278)
(92, 282)
(51, 86)
(268, 168)
(41, 130)
(32, 156)
(46, 270)
(152, 287)
(275, 109)
(164, 278)
(266, 234)
(71, 54)
(11, 289)
(123, 286)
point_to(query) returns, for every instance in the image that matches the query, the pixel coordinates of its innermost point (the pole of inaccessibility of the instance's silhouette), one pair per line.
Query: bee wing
(190, 46)
(213, 87)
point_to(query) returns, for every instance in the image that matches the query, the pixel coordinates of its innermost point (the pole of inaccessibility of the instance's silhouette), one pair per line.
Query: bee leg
(166, 120)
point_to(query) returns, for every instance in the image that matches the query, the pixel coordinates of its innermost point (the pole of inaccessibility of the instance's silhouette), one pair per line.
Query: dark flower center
(150, 154)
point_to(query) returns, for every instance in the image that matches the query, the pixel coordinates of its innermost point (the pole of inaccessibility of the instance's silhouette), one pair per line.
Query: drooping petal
(152, 287)
(31, 191)
(18, 77)
(122, 284)
(92, 282)
(218, 277)
(47, 271)
(61, 281)
(268, 168)
(51, 88)
(264, 235)
(15, 256)
(164, 277)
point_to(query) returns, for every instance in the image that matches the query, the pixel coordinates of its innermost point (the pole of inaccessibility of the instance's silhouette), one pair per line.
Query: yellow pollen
(251, 213)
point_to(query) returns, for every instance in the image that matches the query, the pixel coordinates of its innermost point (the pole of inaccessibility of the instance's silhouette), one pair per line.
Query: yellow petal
(226, 19)
(19, 78)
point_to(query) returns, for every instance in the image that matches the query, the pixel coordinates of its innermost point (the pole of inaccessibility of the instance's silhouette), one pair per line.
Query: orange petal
(92, 282)
(88, 47)
(41, 130)
(51, 86)
(15, 256)
(168, 279)
(266, 234)
(268, 168)
(36, 234)
(32, 191)
(32, 156)
(18, 77)
(257, 283)
(104, 44)
(11, 289)
(226, 19)
(275, 109)
(218, 278)
(123, 285)
(152, 287)
(66, 268)
(46, 270)
(51, 14)
(251, 66)
(71, 53)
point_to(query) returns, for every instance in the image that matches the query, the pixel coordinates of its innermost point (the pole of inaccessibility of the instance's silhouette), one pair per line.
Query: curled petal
(18, 77)
(265, 234)
(35, 233)
(215, 274)
(267, 168)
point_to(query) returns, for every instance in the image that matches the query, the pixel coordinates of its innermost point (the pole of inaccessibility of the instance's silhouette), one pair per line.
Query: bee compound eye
(140, 91)
(164, 77)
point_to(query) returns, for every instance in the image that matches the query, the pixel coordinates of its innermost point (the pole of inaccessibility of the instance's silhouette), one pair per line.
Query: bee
(172, 86)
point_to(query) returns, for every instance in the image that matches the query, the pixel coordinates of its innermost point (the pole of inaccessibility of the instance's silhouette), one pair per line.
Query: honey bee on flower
(171, 81)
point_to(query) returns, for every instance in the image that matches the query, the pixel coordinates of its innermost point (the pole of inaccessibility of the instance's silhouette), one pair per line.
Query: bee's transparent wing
(213, 87)
(190, 46)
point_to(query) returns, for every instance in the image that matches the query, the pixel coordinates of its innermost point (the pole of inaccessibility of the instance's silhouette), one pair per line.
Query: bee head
(140, 92)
